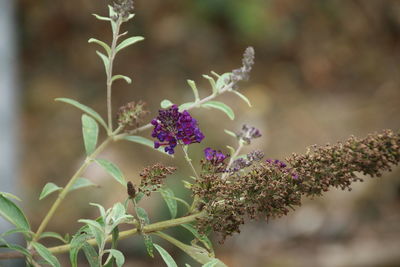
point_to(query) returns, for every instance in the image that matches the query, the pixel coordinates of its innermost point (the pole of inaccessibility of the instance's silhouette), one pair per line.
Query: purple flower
(172, 127)
(215, 157)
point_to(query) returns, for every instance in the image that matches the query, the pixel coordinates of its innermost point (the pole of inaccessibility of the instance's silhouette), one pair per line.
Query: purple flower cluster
(172, 127)
(283, 166)
(214, 157)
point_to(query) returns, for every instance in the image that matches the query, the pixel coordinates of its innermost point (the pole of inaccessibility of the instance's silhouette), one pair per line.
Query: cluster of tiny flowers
(172, 126)
(271, 188)
(337, 165)
(243, 73)
(248, 133)
(249, 160)
(214, 161)
(123, 8)
(153, 177)
(131, 114)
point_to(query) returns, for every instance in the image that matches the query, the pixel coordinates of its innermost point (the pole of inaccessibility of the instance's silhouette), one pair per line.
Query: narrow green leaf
(199, 254)
(166, 256)
(105, 60)
(185, 106)
(46, 254)
(113, 170)
(146, 142)
(221, 106)
(222, 80)
(10, 196)
(168, 196)
(119, 257)
(245, 99)
(90, 131)
(101, 17)
(123, 77)
(16, 247)
(129, 41)
(101, 43)
(230, 133)
(142, 214)
(84, 108)
(148, 242)
(76, 245)
(115, 236)
(215, 74)
(12, 213)
(23, 231)
(212, 263)
(112, 14)
(91, 255)
(166, 103)
(95, 229)
(48, 189)
(53, 235)
(81, 183)
(202, 238)
(231, 150)
(192, 84)
(101, 209)
(212, 83)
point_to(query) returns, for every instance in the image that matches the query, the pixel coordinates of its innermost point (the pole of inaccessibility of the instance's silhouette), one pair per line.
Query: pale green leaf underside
(46, 254)
(84, 108)
(123, 77)
(101, 43)
(113, 170)
(90, 131)
(221, 82)
(212, 83)
(166, 256)
(192, 85)
(81, 183)
(166, 103)
(12, 213)
(53, 235)
(243, 97)
(221, 106)
(101, 17)
(106, 61)
(185, 106)
(48, 189)
(9, 195)
(230, 133)
(129, 41)
(168, 196)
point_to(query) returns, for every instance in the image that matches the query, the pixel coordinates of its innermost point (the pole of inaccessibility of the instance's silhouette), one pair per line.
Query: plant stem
(109, 71)
(65, 190)
(159, 226)
(232, 159)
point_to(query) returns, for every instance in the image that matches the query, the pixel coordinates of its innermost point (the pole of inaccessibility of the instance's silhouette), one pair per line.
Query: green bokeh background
(325, 69)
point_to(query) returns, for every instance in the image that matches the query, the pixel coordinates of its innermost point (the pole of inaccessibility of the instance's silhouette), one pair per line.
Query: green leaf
(139, 197)
(113, 170)
(90, 131)
(75, 245)
(12, 213)
(101, 17)
(202, 238)
(230, 133)
(221, 106)
(15, 247)
(10, 196)
(48, 189)
(212, 263)
(165, 256)
(91, 255)
(123, 77)
(221, 82)
(212, 83)
(112, 14)
(231, 150)
(199, 254)
(192, 84)
(46, 254)
(115, 236)
(119, 257)
(166, 103)
(84, 108)
(146, 142)
(168, 196)
(18, 230)
(96, 230)
(129, 41)
(148, 242)
(105, 60)
(101, 43)
(142, 215)
(185, 106)
(243, 97)
(215, 74)
(53, 235)
(81, 183)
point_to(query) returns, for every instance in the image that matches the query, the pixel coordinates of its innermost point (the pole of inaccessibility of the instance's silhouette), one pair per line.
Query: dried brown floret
(153, 177)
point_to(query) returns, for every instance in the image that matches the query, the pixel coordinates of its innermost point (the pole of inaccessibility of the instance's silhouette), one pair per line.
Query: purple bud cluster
(172, 127)
(248, 133)
(214, 157)
(283, 166)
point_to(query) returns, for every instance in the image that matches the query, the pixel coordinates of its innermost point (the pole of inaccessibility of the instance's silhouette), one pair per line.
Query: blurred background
(325, 69)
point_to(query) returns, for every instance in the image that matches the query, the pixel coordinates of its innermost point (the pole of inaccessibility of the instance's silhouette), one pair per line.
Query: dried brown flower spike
(153, 177)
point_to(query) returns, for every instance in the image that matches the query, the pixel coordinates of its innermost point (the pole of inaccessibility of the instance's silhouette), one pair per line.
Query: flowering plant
(227, 190)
